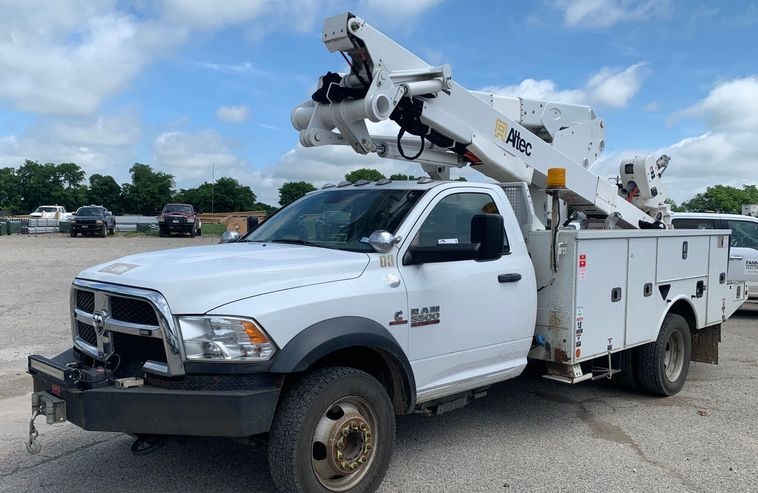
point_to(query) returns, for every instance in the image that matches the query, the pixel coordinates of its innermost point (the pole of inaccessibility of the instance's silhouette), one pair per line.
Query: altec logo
(512, 137)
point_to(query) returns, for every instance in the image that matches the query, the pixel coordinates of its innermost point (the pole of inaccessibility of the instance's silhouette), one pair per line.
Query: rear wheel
(334, 431)
(663, 365)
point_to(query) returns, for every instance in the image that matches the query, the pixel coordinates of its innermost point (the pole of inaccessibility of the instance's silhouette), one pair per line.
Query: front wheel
(334, 431)
(103, 231)
(72, 233)
(663, 365)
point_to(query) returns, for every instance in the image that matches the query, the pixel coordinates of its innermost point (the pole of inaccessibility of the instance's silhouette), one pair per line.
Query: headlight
(225, 339)
(98, 222)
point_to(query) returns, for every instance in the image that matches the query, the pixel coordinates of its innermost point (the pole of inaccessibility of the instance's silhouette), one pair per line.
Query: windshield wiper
(292, 241)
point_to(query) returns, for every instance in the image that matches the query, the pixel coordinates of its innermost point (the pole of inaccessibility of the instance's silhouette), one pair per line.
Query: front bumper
(211, 405)
(183, 227)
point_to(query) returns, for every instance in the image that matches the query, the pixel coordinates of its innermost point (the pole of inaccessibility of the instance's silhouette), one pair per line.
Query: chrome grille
(133, 311)
(86, 332)
(85, 300)
(134, 323)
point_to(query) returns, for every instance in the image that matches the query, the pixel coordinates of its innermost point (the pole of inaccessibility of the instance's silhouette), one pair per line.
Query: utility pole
(213, 185)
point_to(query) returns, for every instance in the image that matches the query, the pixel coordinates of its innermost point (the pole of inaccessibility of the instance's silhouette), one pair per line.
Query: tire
(161, 232)
(662, 366)
(112, 231)
(627, 377)
(72, 233)
(199, 232)
(322, 404)
(192, 232)
(103, 231)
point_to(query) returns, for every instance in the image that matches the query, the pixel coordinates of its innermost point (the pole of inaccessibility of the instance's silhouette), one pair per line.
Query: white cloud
(398, 8)
(190, 156)
(103, 144)
(725, 154)
(209, 15)
(67, 57)
(608, 87)
(599, 14)
(232, 114)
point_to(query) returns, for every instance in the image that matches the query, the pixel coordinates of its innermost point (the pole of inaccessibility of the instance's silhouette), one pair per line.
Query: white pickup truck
(360, 302)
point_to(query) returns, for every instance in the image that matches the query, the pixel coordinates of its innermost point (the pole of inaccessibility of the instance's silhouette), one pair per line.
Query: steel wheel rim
(673, 357)
(341, 459)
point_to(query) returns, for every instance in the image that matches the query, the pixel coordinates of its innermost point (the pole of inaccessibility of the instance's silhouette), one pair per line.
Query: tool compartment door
(600, 296)
(643, 300)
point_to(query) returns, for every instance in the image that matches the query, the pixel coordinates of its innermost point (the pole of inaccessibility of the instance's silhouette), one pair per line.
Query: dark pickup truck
(178, 218)
(92, 220)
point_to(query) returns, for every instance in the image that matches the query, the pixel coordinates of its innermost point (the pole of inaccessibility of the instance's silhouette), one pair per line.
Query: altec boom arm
(506, 139)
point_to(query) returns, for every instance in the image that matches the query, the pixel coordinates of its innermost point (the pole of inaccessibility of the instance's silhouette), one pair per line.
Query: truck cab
(743, 261)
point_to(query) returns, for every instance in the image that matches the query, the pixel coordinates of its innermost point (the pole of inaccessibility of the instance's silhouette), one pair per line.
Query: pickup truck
(92, 220)
(50, 212)
(179, 218)
(417, 298)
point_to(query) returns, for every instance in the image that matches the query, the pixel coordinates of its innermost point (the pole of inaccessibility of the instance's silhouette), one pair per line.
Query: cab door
(743, 263)
(468, 319)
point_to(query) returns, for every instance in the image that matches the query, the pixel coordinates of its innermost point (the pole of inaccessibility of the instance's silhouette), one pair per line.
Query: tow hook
(54, 410)
(145, 445)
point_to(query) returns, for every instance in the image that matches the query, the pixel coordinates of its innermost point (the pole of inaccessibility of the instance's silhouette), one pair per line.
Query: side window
(450, 220)
(744, 234)
(690, 223)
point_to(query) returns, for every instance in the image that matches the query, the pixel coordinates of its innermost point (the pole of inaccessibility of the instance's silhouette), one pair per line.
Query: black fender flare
(328, 336)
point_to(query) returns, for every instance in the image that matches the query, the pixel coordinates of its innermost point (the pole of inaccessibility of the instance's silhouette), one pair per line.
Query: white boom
(505, 138)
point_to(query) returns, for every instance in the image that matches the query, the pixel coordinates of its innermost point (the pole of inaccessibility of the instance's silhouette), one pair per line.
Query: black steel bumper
(228, 405)
(180, 227)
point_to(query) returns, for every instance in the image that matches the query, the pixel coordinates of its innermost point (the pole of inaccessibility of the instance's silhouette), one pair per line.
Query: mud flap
(705, 344)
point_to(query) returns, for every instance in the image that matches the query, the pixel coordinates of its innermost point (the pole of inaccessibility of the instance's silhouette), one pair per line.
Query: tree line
(33, 184)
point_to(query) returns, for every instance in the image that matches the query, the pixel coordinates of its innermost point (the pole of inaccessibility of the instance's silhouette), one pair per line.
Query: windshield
(744, 234)
(340, 219)
(46, 209)
(89, 211)
(184, 209)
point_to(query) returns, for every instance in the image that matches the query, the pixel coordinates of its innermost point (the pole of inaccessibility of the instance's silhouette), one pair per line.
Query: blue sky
(182, 85)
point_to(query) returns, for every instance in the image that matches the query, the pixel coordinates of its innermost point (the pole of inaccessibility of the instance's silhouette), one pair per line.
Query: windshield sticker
(447, 241)
(118, 269)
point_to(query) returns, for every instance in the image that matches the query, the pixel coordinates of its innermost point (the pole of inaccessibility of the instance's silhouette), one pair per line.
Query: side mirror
(488, 230)
(229, 237)
(382, 241)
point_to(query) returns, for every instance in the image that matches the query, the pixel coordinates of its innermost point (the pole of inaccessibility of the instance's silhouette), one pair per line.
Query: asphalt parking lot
(529, 434)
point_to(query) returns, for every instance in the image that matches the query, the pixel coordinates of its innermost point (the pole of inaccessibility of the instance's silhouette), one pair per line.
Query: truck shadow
(528, 405)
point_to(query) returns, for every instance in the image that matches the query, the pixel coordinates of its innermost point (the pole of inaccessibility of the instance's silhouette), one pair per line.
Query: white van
(743, 265)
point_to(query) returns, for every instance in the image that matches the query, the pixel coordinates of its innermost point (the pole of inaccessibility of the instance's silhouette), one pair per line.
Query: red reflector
(56, 389)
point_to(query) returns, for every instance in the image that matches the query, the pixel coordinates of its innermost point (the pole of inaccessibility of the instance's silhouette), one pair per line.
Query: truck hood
(195, 280)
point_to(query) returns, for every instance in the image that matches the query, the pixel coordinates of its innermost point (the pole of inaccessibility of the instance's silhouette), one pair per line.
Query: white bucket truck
(360, 302)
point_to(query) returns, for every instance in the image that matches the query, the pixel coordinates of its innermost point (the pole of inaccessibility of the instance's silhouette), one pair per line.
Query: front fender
(328, 336)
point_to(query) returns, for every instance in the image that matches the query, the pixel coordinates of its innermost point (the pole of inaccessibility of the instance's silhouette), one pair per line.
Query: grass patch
(213, 229)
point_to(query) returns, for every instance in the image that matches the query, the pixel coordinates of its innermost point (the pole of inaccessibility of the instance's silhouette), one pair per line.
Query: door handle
(509, 278)
(735, 257)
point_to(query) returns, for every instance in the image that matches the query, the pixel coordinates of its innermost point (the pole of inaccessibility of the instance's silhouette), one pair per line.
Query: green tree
(293, 190)
(722, 198)
(50, 183)
(226, 196)
(364, 174)
(10, 191)
(148, 191)
(103, 190)
(401, 177)
(260, 206)
(674, 206)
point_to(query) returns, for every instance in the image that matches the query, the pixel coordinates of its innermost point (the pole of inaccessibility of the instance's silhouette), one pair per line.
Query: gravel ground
(529, 434)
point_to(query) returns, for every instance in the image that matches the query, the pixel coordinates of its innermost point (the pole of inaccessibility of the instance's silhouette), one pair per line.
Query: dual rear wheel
(660, 367)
